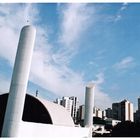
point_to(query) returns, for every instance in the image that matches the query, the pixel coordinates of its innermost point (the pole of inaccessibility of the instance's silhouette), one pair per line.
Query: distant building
(74, 109)
(116, 109)
(127, 111)
(139, 103)
(123, 111)
(137, 113)
(71, 105)
(103, 114)
(58, 101)
(108, 113)
(137, 116)
(97, 112)
(81, 115)
(67, 103)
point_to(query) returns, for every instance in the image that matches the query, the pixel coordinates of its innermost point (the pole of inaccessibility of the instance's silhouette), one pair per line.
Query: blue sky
(76, 44)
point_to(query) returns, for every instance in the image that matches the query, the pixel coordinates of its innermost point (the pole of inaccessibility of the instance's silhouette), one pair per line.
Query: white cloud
(117, 17)
(100, 78)
(59, 80)
(124, 6)
(45, 71)
(125, 63)
(54, 74)
(120, 11)
(102, 100)
(8, 43)
(76, 19)
(50, 70)
(4, 84)
(12, 18)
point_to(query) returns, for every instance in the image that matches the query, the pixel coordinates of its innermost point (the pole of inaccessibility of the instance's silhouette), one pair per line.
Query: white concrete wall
(28, 129)
(16, 98)
(89, 104)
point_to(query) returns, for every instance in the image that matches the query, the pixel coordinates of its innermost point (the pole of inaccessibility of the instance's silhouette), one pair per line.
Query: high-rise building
(67, 103)
(82, 112)
(81, 115)
(97, 112)
(137, 116)
(74, 108)
(71, 105)
(139, 103)
(108, 113)
(103, 114)
(116, 111)
(127, 111)
(137, 113)
(58, 101)
(123, 111)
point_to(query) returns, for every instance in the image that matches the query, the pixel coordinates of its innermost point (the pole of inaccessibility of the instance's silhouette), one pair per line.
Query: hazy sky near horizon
(76, 44)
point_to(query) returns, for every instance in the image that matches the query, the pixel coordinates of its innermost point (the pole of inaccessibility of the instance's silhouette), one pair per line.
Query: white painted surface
(58, 114)
(89, 104)
(19, 82)
(28, 129)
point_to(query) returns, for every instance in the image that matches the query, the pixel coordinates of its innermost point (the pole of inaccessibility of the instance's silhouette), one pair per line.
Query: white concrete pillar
(16, 98)
(89, 104)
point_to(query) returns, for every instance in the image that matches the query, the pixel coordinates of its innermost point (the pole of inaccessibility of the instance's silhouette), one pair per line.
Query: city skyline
(76, 44)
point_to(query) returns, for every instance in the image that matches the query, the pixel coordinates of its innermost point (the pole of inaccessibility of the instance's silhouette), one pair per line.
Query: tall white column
(16, 98)
(89, 104)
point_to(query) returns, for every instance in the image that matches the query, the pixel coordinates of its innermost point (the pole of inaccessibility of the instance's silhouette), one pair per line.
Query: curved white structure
(59, 114)
(42, 118)
(19, 82)
(13, 126)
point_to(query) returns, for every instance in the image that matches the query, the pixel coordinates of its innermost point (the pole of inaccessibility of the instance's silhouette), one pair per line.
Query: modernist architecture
(22, 115)
(19, 81)
(39, 119)
(39, 111)
(89, 104)
(123, 111)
